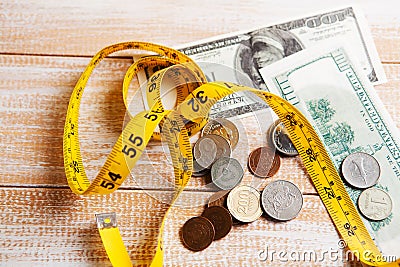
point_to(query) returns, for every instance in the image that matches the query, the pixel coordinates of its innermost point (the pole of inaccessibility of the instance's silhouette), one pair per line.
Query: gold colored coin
(224, 128)
(244, 203)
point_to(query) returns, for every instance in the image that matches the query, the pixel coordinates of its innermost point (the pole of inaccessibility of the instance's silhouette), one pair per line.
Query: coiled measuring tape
(195, 97)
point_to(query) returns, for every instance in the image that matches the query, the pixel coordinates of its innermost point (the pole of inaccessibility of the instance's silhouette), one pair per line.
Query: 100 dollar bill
(346, 112)
(237, 57)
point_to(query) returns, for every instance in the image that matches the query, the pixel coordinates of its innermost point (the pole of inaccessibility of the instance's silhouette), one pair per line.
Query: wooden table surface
(44, 47)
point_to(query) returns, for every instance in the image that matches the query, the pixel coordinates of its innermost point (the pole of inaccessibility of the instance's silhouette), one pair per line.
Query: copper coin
(218, 198)
(261, 160)
(197, 233)
(220, 218)
(276, 164)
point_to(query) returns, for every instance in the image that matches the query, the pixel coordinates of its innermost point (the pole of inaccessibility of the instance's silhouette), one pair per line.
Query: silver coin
(209, 148)
(281, 140)
(361, 170)
(281, 200)
(244, 203)
(375, 204)
(270, 130)
(226, 173)
(205, 151)
(223, 147)
(199, 171)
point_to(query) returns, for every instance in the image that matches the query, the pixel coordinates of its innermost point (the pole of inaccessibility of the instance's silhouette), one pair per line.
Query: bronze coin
(261, 160)
(220, 218)
(197, 233)
(276, 164)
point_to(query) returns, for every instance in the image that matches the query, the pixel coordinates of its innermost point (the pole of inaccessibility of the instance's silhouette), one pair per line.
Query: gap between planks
(109, 56)
(129, 189)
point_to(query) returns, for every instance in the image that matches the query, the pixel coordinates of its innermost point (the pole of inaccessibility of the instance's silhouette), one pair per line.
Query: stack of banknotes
(325, 65)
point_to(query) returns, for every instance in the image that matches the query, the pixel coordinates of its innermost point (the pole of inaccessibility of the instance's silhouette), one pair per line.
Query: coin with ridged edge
(220, 218)
(197, 233)
(244, 203)
(281, 200)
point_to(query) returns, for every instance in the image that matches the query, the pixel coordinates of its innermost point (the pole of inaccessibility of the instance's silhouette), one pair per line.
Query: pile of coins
(236, 203)
(212, 152)
(281, 200)
(199, 232)
(362, 171)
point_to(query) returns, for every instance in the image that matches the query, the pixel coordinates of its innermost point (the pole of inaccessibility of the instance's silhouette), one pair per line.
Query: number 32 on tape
(193, 103)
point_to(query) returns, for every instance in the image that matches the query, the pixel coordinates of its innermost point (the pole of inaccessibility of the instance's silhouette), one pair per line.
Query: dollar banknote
(237, 57)
(342, 105)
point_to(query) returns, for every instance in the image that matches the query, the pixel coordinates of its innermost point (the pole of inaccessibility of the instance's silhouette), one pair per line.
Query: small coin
(281, 140)
(260, 161)
(361, 170)
(197, 233)
(226, 173)
(218, 198)
(224, 128)
(375, 204)
(281, 200)
(276, 164)
(244, 203)
(199, 171)
(209, 148)
(221, 220)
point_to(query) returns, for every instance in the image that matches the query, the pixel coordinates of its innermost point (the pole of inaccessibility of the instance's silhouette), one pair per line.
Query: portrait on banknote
(261, 48)
(238, 57)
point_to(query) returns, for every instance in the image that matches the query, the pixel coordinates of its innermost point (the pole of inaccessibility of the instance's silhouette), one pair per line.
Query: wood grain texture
(53, 227)
(31, 131)
(82, 28)
(45, 46)
(32, 121)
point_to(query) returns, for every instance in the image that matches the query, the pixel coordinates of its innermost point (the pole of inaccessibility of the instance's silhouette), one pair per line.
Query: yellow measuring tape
(195, 97)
